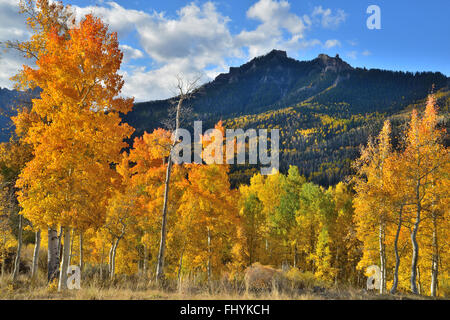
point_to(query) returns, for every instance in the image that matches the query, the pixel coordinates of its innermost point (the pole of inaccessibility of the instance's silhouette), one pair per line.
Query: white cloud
(130, 53)
(199, 34)
(158, 83)
(332, 43)
(274, 17)
(186, 44)
(277, 15)
(327, 18)
(366, 53)
(10, 64)
(119, 19)
(12, 27)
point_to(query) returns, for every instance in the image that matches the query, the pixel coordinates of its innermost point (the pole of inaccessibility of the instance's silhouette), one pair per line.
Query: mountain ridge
(274, 81)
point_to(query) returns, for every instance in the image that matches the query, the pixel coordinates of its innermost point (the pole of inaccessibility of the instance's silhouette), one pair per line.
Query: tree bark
(209, 257)
(4, 257)
(3, 268)
(110, 258)
(81, 252)
(434, 260)
(19, 250)
(113, 259)
(71, 248)
(382, 249)
(162, 243)
(295, 255)
(419, 282)
(65, 261)
(37, 247)
(145, 264)
(338, 269)
(59, 242)
(415, 245)
(101, 264)
(397, 256)
(53, 256)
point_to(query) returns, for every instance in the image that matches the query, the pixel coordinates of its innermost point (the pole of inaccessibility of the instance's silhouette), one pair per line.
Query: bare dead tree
(185, 90)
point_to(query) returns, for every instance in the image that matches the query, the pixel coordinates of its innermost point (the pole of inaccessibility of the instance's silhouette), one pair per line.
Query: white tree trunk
(71, 248)
(419, 282)
(65, 261)
(382, 250)
(434, 260)
(110, 258)
(415, 245)
(101, 263)
(113, 259)
(81, 252)
(37, 247)
(162, 243)
(397, 256)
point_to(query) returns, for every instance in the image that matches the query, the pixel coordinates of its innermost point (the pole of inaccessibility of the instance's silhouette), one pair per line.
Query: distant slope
(323, 140)
(324, 108)
(9, 101)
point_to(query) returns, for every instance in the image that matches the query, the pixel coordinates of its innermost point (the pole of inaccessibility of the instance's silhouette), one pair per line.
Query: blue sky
(161, 39)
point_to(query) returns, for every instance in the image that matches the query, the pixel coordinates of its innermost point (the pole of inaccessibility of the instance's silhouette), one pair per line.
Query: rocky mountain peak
(275, 53)
(335, 64)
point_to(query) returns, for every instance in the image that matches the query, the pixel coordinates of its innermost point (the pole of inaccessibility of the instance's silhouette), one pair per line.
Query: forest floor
(25, 289)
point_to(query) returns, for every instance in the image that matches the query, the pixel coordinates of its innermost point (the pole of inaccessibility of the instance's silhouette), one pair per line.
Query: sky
(163, 39)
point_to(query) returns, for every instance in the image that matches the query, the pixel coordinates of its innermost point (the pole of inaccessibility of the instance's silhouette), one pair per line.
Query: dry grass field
(143, 289)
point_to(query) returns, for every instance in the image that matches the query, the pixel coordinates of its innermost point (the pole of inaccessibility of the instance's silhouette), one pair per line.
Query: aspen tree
(68, 181)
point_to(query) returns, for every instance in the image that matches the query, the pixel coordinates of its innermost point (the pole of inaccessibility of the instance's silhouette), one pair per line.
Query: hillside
(325, 108)
(9, 101)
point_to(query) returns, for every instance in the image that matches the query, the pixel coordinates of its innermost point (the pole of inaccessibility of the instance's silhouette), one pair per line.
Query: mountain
(325, 108)
(9, 101)
(275, 81)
